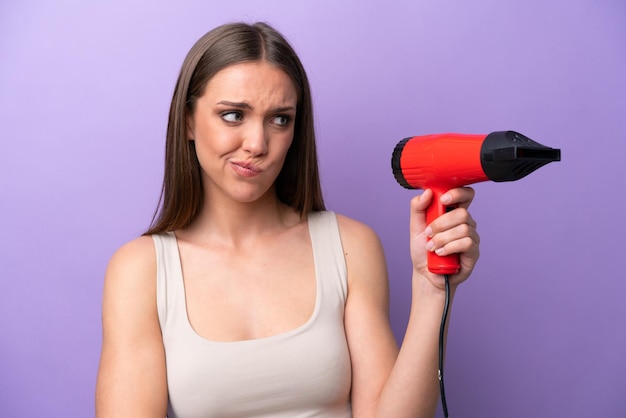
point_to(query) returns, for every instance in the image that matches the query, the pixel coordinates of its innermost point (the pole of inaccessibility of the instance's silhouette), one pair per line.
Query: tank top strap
(170, 286)
(329, 258)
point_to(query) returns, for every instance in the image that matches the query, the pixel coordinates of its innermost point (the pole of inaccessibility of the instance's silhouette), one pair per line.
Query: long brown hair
(298, 183)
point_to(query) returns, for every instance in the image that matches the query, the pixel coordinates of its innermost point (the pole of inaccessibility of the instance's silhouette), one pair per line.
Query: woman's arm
(131, 379)
(388, 383)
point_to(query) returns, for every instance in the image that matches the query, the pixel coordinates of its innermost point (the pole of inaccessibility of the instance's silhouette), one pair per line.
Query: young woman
(246, 298)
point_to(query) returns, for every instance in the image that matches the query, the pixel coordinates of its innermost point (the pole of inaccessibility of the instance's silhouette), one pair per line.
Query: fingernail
(429, 246)
(428, 231)
(445, 198)
(439, 251)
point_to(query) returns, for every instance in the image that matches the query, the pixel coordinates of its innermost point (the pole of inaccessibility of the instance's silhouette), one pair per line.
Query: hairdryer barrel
(444, 161)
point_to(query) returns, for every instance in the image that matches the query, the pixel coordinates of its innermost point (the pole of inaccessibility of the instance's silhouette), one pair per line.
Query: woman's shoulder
(137, 250)
(134, 261)
(360, 242)
(364, 254)
(354, 230)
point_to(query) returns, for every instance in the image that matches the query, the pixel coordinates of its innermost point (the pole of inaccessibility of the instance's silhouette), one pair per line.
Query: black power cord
(442, 330)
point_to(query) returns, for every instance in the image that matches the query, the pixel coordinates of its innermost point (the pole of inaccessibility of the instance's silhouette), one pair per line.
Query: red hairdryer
(441, 162)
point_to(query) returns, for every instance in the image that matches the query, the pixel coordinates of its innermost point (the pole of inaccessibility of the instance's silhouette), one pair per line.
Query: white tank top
(304, 372)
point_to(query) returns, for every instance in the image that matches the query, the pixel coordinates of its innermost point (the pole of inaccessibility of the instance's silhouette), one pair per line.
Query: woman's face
(243, 126)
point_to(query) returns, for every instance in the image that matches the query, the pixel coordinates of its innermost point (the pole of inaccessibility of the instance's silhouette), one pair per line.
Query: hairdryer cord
(442, 329)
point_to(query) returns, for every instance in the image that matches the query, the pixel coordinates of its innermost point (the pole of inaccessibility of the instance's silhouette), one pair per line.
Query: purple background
(539, 331)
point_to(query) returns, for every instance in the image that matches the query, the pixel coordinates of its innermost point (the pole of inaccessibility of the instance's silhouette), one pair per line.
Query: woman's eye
(281, 120)
(232, 116)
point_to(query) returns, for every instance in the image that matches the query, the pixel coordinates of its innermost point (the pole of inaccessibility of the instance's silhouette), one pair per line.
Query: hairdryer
(441, 162)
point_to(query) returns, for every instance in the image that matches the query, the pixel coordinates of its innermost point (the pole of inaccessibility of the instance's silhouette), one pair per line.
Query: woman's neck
(234, 223)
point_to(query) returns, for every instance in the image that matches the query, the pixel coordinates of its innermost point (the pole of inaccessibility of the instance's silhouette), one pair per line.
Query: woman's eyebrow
(240, 105)
(244, 105)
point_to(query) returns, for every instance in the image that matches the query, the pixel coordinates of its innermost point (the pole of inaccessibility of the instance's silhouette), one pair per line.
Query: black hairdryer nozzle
(509, 156)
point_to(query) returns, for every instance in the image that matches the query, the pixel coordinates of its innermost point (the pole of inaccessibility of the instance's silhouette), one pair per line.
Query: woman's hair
(297, 184)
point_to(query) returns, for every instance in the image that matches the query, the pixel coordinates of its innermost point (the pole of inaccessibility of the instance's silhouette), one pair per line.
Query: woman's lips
(245, 169)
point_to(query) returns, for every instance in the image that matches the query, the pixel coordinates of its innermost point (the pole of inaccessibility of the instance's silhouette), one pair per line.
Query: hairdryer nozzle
(509, 156)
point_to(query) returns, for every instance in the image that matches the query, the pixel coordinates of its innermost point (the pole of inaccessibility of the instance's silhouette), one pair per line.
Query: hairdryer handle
(447, 264)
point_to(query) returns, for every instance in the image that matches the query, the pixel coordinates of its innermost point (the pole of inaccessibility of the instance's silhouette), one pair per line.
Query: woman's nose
(255, 140)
